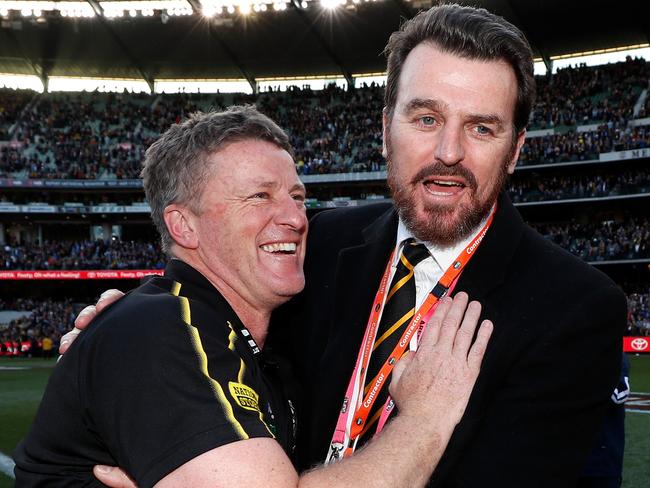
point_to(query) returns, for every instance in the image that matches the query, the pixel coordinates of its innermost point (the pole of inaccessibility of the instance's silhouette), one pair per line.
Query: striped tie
(399, 308)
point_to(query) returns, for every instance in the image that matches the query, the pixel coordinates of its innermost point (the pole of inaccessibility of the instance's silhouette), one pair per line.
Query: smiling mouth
(280, 248)
(443, 187)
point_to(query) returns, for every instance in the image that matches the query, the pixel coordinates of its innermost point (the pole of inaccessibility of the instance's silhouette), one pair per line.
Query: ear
(180, 225)
(384, 132)
(521, 138)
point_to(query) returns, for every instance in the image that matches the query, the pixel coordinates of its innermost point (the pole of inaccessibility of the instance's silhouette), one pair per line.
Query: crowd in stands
(98, 135)
(584, 95)
(583, 146)
(38, 332)
(604, 241)
(12, 102)
(67, 255)
(544, 188)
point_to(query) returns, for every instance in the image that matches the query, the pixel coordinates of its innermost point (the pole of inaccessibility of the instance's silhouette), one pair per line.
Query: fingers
(476, 353)
(432, 330)
(113, 477)
(450, 323)
(399, 369)
(465, 333)
(108, 297)
(85, 317)
(67, 340)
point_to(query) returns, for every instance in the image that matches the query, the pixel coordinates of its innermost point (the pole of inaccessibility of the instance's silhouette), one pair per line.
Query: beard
(444, 225)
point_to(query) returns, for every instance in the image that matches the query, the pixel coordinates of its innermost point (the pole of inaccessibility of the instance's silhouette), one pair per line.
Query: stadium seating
(98, 135)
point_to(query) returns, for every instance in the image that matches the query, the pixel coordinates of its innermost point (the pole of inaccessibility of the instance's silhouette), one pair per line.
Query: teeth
(280, 247)
(446, 183)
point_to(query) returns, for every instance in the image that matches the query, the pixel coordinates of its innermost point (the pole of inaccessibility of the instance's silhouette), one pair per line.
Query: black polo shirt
(165, 374)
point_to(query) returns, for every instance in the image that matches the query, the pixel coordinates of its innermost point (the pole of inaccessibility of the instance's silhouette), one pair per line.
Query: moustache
(440, 169)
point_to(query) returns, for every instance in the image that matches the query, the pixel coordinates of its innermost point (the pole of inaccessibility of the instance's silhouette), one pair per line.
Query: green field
(22, 389)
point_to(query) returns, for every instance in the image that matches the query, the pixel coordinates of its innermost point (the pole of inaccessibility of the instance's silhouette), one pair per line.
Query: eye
(261, 195)
(427, 120)
(482, 130)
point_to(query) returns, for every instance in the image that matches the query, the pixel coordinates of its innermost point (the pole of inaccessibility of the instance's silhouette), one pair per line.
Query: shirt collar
(443, 256)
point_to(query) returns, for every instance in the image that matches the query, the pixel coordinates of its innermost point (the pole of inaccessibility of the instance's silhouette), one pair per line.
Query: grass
(22, 390)
(20, 395)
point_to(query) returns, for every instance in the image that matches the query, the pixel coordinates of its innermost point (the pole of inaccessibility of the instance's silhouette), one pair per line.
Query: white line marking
(7, 466)
(634, 410)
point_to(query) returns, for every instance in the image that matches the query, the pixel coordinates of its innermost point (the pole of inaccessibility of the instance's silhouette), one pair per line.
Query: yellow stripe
(203, 362)
(176, 288)
(216, 387)
(394, 327)
(401, 282)
(232, 337)
(231, 345)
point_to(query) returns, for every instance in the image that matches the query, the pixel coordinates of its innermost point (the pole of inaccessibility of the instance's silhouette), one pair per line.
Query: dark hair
(468, 32)
(176, 165)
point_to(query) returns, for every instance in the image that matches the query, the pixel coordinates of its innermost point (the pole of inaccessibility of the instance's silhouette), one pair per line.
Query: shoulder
(344, 224)
(148, 320)
(566, 277)
(354, 217)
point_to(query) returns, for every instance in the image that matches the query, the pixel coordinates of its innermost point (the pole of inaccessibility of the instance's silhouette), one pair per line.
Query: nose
(292, 213)
(449, 145)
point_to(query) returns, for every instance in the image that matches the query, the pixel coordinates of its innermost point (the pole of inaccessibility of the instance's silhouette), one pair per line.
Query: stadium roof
(296, 41)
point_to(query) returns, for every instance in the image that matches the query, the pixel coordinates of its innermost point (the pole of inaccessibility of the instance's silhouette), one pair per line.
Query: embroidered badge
(244, 395)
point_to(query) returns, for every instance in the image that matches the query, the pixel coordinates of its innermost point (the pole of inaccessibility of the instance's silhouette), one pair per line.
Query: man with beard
(458, 97)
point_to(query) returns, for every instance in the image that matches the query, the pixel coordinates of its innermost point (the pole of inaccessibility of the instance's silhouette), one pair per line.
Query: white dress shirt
(430, 270)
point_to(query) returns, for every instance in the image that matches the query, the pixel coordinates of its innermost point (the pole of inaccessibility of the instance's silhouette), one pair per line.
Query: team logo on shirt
(244, 395)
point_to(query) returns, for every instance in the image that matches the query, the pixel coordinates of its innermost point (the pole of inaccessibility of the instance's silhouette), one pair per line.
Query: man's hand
(437, 380)
(87, 315)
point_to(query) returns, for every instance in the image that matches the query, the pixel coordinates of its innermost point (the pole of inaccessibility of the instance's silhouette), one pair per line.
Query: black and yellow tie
(399, 308)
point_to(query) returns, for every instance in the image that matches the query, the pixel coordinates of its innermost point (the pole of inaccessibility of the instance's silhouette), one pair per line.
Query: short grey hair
(176, 165)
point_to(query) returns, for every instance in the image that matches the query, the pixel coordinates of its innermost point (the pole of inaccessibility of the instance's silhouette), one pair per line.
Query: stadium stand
(559, 187)
(589, 110)
(38, 331)
(99, 254)
(581, 113)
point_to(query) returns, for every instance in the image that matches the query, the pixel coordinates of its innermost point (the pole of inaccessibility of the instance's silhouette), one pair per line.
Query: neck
(255, 318)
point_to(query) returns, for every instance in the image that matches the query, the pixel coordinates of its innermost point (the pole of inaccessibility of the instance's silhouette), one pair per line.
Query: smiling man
(171, 383)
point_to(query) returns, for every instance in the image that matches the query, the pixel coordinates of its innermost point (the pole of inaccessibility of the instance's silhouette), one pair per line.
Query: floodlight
(133, 13)
(303, 4)
(245, 8)
(231, 9)
(263, 7)
(330, 4)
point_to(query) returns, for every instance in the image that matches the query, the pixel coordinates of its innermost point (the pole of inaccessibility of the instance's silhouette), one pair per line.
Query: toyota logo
(639, 344)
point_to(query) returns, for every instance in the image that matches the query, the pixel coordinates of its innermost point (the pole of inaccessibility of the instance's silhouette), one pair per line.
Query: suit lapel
(359, 272)
(489, 266)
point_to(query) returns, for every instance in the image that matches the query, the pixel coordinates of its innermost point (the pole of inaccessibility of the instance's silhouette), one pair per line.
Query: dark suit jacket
(550, 368)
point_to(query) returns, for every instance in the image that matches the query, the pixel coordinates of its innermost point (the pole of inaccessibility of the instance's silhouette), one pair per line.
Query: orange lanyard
(356, 407)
